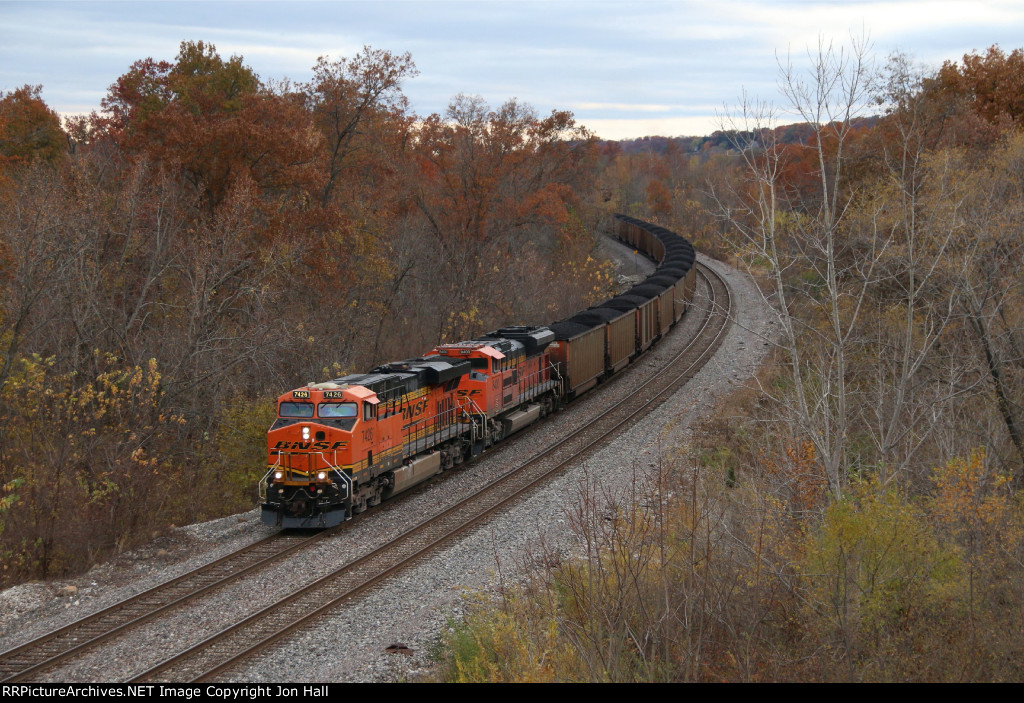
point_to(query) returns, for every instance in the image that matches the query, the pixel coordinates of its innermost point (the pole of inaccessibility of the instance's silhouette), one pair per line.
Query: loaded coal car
(578, 350)
(620, 335)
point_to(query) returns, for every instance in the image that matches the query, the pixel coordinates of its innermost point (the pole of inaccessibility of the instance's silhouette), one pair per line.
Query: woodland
(854, 513)
(208, 239)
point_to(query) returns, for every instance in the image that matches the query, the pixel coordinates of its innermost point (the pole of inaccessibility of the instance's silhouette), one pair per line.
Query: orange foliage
(993, 84)
(659, 199)
(213, 121)
(970, 496)
(801, 473)
(800, 168)
(484, 172)
(28, 129)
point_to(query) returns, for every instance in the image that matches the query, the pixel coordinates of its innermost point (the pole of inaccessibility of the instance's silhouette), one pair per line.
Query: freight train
(339, 447)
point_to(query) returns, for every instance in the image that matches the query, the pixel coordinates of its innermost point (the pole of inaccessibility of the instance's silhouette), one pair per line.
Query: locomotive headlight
(321, 476)
(278, 475)
(305, 434)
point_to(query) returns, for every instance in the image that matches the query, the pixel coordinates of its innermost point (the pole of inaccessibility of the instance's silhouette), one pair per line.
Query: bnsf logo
(315, 446)
(462, 392)
(414, 410)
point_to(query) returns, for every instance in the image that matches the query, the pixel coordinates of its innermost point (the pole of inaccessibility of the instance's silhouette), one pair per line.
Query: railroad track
(46, 652)
(35, 657)
(233, 646)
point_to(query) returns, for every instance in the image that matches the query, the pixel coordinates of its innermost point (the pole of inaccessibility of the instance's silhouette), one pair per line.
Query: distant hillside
(718, 141)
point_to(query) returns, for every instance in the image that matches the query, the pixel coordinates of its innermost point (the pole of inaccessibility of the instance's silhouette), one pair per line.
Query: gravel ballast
(408, 611)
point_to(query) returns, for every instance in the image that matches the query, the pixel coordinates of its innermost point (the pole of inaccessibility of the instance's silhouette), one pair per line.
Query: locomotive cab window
(369, 411)
(289, 409)
(338, 410)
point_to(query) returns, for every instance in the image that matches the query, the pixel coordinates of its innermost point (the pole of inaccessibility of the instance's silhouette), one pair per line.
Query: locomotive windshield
(289, 409)
(337, 410)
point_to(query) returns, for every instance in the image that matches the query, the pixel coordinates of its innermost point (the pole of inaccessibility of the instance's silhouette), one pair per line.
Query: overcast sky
(626, 69)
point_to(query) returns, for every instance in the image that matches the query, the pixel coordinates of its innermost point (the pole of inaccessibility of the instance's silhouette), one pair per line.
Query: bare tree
(990, 289)
(914, 208)
(797, 240)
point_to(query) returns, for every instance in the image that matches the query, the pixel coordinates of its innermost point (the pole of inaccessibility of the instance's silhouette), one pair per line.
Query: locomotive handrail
(349, 484)
(472, 422)
(263, 482)
(561, 380)
(431, 437)
(529, 388)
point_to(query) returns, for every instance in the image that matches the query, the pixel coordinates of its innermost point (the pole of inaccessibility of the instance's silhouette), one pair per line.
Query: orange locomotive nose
(308, 451)
(307, 448)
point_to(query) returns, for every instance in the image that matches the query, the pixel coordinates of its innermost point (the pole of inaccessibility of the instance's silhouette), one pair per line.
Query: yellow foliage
(516, 642)
(8, 498)
(969, 496)
(976, 509)
(84, 450)
(875, 561)
(237, 456)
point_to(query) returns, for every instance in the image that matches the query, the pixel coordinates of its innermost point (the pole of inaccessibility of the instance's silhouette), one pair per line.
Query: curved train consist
(343, 445)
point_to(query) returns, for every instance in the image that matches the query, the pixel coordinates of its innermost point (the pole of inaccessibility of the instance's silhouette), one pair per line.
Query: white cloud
(622, 107)
(623, 64)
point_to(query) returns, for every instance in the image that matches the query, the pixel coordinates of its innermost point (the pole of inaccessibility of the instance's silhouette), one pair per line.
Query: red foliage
(213, 122)
(993, 84)
(28, 129)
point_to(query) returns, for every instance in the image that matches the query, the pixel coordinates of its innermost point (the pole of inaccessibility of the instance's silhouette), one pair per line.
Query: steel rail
(45, 652)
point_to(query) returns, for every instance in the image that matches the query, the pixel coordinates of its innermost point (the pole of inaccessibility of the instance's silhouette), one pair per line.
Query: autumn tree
(992, 84)
(787, 236)
(29, 131)
(29, 128)
(354, 255)
(348, 97)
(986, 274)
(32, 257)
(904, 221)
(492, 186)
(89, 456)
(214, 122)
